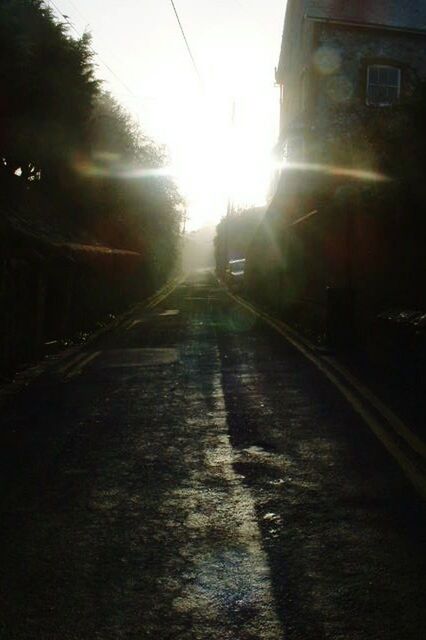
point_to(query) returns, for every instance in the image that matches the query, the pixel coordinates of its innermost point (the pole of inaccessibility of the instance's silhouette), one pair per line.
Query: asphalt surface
(193, 476)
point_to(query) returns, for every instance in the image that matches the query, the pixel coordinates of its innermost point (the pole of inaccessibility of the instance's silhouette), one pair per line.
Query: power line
(84, 18)
(95, 53)
(187, 43)
(78, 10)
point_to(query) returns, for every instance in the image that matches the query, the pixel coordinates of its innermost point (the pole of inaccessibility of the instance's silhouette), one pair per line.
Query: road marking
(411, 468)
(72, 362)
(166, 292)
(397, 424)
(132, 324)
(76, 371)
(129, 323)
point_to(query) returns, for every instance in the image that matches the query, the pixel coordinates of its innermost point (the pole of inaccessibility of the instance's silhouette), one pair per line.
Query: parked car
(235, 274)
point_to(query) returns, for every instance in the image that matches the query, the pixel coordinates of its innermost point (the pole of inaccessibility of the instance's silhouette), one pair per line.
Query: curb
(404, 446)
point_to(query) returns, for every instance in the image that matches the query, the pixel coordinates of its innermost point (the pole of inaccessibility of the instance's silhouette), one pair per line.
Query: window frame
(383, 65)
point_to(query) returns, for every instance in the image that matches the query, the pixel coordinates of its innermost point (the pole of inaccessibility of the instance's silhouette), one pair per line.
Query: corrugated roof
(402, 14)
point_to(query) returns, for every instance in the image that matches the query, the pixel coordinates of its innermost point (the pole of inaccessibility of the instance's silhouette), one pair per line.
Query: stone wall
(340, 72)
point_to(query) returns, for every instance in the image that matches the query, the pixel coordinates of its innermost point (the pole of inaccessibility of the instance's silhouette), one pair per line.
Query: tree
(234, 235)
(127, 194)
(48, 88)
(79, 155)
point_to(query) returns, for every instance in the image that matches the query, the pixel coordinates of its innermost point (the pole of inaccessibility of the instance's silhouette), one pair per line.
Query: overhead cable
(95, 53)
(194, 64)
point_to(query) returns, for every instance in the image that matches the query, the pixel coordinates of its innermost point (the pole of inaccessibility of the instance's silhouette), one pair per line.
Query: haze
(235, 44)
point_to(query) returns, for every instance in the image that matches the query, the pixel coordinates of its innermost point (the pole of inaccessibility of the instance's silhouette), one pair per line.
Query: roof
(19, 229)
(406, 15)
(394, 14)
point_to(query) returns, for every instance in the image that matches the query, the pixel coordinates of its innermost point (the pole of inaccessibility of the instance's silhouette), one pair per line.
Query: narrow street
(192, 476)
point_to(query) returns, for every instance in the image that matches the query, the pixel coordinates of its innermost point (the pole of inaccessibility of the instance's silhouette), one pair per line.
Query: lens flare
(327, 60)
(109, 166)
(345, 172)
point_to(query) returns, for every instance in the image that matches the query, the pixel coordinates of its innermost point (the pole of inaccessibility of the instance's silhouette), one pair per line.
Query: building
(340, 60)
(336, 220)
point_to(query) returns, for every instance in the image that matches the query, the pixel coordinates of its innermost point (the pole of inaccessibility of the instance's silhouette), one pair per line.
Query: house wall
(295, 57)
(353, 242)
(339, 73)
(409, 14)
(323, 77)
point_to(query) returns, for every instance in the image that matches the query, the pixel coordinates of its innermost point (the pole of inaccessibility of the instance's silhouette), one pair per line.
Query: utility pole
(230, 207)
(185, 220)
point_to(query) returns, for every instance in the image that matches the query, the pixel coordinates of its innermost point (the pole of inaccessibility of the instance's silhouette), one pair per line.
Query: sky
(214, 156)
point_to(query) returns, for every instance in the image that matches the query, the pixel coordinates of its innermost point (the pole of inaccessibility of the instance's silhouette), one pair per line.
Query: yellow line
(162, 295)
(415, 475)
(82, 364)
(397, 424)
(132, 324)
(71, 363)
(128, 322)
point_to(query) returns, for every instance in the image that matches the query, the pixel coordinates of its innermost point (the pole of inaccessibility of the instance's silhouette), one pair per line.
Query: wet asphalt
(194, 477)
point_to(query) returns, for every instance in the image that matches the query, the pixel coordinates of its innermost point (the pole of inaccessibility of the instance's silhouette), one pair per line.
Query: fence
(49, 292)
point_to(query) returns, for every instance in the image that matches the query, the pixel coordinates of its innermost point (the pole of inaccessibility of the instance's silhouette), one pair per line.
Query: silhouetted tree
(133, 202)
(234, 235)
(71, 146)
(48, 88)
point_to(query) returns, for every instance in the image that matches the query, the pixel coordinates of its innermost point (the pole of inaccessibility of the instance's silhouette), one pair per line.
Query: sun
(216, 160)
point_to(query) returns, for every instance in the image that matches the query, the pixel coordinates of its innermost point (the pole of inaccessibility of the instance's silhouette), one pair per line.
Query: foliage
(234, 235)
(135, 204)
(48, 87)
(72, 148)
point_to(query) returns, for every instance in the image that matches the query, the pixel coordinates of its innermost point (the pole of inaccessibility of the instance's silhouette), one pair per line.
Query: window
(383, 85)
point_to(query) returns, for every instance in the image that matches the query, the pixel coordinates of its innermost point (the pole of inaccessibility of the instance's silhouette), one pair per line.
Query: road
(191, 475)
